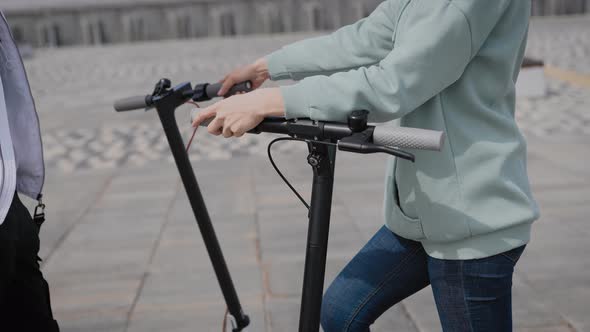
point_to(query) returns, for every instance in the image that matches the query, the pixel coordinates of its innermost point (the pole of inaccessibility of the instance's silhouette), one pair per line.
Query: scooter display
(323, 140)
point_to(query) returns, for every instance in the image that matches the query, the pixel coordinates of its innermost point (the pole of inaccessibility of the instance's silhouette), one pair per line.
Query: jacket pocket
(397, 221)
(440, 208)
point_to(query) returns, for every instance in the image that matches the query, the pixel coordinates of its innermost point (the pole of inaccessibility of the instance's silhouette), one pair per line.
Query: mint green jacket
(448, 65)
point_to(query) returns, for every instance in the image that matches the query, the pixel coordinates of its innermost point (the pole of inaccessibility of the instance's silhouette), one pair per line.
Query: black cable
(279, 172)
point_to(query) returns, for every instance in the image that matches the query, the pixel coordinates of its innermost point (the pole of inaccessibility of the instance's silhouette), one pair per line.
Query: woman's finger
(215, 127)
(226, 86)
(204, 115)
(237, 130)
(226, 131)
(229, 124)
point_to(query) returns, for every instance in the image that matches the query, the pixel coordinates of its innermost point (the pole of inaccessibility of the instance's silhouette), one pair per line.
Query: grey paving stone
(571, 156)
(545, 175)
(95, 294)
(92, 321)
(546, 329)
(195, 316)
(283, 313)
(564, 197)
(185, 257)
(530, 311)
(179, 287)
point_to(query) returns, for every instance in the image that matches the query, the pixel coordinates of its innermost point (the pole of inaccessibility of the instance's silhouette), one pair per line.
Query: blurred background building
(57, 23)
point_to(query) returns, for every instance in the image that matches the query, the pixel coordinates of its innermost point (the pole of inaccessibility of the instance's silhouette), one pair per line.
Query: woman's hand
(236, 115)
(256, 72)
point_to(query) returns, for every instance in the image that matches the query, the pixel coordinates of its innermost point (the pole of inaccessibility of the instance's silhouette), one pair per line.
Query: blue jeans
(470, 295)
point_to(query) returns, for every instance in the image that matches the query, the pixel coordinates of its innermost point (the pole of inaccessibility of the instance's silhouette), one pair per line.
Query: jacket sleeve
(433, 53)
(361, 44)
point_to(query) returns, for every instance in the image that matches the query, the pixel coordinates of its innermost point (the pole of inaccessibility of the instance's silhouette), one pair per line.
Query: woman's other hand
(256, 72)
(236, 115)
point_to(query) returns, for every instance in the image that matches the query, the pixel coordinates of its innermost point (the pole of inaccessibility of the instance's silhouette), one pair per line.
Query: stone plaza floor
(121, 249)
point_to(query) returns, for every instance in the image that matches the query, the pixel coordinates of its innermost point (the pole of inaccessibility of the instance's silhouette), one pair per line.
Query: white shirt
(7, 160)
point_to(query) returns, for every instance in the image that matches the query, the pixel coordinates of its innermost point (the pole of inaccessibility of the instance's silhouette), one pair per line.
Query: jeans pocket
(514, 254)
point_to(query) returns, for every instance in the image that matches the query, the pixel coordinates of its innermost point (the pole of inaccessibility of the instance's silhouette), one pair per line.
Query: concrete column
(180, 24)
(84, 29)
(221, 20)
(90, 31)
(49, 33)
(263, 19)
(313, 16)
(134, 27)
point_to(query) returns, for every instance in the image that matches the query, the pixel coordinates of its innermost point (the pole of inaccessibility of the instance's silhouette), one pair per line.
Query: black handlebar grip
(212, 90)
(133, 103)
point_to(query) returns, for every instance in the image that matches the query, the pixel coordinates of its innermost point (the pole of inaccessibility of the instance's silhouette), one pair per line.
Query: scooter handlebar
(132, 103)
(409, 138)
(212, 90)
(394, 137)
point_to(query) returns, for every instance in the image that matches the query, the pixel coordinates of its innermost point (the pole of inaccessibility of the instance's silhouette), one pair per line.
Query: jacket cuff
(296, 102)
(276, 66)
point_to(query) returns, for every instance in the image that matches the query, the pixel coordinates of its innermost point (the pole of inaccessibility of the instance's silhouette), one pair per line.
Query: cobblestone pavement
(120, 248)
(563, 43)
(138, 144)
(564, 111)
(96, 137)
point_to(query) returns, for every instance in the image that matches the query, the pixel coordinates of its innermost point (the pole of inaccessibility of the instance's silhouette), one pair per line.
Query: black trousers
(24, 293)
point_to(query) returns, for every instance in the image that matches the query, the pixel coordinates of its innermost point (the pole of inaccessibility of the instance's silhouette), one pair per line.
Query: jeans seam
(467, 312)
(378, 288)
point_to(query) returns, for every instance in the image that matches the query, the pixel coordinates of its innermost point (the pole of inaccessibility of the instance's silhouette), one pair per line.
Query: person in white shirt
(24, 293)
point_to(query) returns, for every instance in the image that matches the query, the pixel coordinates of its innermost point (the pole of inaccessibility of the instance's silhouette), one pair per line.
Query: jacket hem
(480, 246)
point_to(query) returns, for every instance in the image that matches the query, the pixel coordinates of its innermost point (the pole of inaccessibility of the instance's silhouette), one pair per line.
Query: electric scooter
(322, 138)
